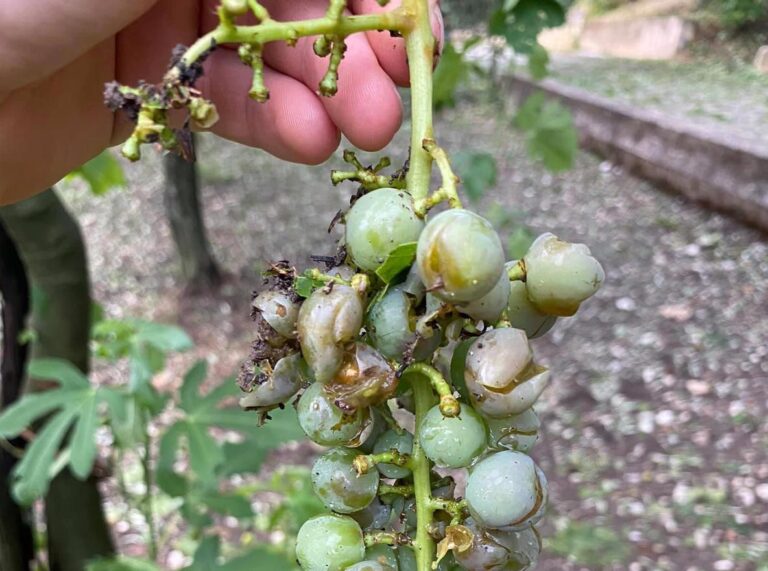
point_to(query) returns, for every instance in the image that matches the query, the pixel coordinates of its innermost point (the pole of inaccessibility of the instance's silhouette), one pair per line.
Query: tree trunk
(182, 206)
(16, 545)
(50, 244)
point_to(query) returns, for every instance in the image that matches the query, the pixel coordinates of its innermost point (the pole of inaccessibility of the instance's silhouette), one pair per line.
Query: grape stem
(405, 490)
(517, 272)
(456, 509)
(385, 537)
(449, 189)
(449, 405)
(365, 463)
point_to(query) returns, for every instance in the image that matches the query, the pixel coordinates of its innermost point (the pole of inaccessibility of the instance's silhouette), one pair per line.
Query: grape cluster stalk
(408, 355)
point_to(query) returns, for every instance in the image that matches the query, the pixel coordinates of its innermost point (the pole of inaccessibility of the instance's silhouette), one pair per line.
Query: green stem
(149, 504)
(272, 30)
(449, 405)
(365, 463)
(402, 490)
(517, 272)
(423, 545)
(420, 47)
(385, 537)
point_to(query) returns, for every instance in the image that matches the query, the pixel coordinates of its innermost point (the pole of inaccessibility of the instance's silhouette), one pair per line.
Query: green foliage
(306, 284)
(477, 172)
(452, 70)
(538, 62)
(587, 544)
(520, 21)
(736, 14)
(102, 173)
(398, 260)
(550, 134)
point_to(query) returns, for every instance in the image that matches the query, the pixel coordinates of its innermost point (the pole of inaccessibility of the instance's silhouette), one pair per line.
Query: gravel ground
(730, 99)
(655, 440)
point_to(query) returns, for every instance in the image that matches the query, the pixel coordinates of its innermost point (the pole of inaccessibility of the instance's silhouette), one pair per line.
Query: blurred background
(635, 126)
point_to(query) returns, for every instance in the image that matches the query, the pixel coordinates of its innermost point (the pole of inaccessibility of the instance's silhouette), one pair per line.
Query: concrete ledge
(714, 167)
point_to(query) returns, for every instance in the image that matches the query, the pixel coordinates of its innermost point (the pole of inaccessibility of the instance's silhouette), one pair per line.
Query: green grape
(382, 554)
(391, 323)
(489, 307)
(517, 432)
(452, 442)
(279, 310)
(338, 485)
(364, 378)
(560, 275)
(326, 424)
(369, 566)
(506, 490)
(500, 374)
(524, 547)
(406, 559)
(459, 255)
(378, 427)
(522, 314)
(289, 375)
(329, 543)
(328, 320)
(403, 443)
(377, 223)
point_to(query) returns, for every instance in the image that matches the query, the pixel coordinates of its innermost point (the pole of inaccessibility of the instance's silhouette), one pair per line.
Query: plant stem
(517, 272)
(149, 503)
(272, 30)
(423, 545)
(449, 406)
(420, 47)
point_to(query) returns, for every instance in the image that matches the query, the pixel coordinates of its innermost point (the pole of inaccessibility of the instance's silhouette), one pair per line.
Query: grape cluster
(348, 346)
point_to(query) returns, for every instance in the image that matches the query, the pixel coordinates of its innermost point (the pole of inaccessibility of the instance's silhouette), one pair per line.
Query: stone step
(715, 167)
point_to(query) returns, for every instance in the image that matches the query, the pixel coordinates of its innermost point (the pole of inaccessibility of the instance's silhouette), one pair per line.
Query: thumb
(42, 36)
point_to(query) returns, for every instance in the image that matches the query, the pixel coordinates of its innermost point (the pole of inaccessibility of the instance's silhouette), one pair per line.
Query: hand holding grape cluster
(410, 355)
(363, 351)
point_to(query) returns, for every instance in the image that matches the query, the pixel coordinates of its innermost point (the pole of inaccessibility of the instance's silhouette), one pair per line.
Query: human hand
(55, 58)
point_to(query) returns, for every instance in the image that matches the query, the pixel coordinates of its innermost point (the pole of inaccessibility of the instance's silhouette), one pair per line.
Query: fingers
(42, 36)
(367, 107)
(390, 51)
(292, 125)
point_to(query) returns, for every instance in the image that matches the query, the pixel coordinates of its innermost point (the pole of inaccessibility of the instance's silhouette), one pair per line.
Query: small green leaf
(102, 173)
(64, 372)
(20, 415)
(190, 389)
(477, 172)
(207, 554)
(166, 338)
(82, 443)
(205, 454)
(398, 260)
(449, 74)
(550, 133)
(538, 62)
(167, 479)
(228, 504)
(305, 284)
(32, 474)
(521, 22)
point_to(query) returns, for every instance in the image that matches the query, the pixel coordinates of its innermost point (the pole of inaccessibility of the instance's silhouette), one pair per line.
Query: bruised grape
(452, 442)
(338, 485)
(500, 374)
(329, 542)
(459, 255)
(516, 432)
(327, 320)
(522, 314)
(370, 565)
(383, 555)
(497, 550)
(391, 323)
(391, 440)
(377, 223)
(364, 378)
(286, 379)
(506, 490)
(560, 275)
(326, 424)
(279, 310)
